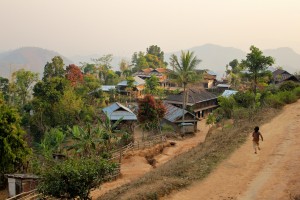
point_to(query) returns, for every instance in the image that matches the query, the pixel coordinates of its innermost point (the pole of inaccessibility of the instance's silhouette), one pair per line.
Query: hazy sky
(122, 27)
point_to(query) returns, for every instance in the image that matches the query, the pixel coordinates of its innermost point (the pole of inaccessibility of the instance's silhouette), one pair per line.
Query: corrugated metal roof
(174, 113)
(106, 88)
(119, 114)
(223, 85)
(137, 81)
(228, 93)
(116, 111)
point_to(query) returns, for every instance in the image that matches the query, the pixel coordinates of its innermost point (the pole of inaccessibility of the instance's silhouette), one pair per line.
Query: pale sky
(121, 27)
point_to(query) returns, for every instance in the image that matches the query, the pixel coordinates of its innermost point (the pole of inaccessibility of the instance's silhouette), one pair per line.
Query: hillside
(30, 58)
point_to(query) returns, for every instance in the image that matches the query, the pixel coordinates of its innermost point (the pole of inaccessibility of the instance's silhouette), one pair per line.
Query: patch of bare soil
(135, 164)
(3, 194)
(273, 173)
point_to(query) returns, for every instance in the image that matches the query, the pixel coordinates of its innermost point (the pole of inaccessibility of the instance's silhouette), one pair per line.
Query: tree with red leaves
(74, 74)
(151, 111)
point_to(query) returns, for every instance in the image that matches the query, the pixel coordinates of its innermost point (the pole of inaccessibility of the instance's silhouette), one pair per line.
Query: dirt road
(273, 173)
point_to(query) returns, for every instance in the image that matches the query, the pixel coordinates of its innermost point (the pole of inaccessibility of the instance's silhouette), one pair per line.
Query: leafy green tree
(13, 147)
(66, 112)
(74, 179)
(227, 104)
(89, 68)
(184, 72)
(22, 84)
(54, 68)
(257, 64)
(139, 61)
(153, 58)
(156, 51)
(152, 85)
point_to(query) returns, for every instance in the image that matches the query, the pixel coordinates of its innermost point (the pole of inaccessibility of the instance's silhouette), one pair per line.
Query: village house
(199, 101)
(160, 73)
(174, 117)
(118, 111)
(139, 86)
(280, 76)
(209, 78)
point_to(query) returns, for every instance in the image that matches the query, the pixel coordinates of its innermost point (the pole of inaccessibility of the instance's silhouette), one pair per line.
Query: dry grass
(193, 165)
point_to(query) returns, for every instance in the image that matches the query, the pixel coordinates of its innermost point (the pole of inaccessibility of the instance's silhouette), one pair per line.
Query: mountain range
(214, 57)
(29, 58)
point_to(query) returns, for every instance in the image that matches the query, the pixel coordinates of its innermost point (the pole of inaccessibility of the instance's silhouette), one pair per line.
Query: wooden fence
(149, 142)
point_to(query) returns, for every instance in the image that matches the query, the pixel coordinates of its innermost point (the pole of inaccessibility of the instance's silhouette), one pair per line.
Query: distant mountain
(29, 58)
(215, 57)
(285, 57)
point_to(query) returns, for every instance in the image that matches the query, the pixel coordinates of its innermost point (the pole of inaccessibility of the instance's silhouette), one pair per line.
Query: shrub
(245, 99)
(287, 97)
(288, 86)
(274, 101)
(74, 178)
(296, 91)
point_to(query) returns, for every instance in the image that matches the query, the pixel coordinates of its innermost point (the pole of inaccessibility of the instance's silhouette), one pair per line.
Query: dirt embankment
(273, 173)
(136, 165)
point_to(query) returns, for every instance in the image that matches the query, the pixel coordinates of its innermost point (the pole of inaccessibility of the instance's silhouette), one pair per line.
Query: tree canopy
(257, 64)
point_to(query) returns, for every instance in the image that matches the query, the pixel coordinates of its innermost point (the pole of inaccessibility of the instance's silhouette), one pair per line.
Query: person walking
(256, 134)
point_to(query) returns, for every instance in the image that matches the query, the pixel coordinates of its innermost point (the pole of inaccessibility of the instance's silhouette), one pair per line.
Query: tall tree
(22, 84)
(74, 74)
(54, 68)
(153, 58)
(257, 64)
(13, 147)
(184, 72)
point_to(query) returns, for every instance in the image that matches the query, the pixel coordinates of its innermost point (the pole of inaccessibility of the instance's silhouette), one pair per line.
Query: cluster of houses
(200, 102)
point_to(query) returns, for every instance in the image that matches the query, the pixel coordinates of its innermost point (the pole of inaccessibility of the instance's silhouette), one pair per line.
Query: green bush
(244, 99)
(296, 91)
(287, 97)
(274, 101)
(74, 178)
(288, 86)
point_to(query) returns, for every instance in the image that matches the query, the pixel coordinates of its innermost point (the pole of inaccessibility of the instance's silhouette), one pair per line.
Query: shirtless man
(256, 134)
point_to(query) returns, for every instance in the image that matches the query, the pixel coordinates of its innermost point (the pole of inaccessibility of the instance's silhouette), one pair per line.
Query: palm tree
(184, 72)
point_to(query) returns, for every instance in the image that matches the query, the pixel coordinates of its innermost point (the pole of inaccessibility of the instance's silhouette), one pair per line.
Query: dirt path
(134, 167)
(273, 173)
